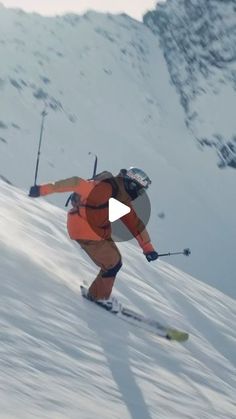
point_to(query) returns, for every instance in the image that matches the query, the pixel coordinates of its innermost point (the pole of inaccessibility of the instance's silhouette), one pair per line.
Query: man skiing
(88, 222)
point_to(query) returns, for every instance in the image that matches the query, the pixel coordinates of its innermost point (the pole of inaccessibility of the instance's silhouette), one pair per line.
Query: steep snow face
(198, 38)
(107, 89)
(61, 357)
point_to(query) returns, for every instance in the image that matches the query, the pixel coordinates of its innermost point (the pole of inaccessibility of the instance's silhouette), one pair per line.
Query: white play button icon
(117, 210)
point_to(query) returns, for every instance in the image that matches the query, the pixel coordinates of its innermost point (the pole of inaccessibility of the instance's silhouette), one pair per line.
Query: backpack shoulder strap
(104, 176)
(108, 177)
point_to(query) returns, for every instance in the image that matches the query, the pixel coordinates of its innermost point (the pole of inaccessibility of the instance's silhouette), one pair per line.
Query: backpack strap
(114, 186)
(75, 198)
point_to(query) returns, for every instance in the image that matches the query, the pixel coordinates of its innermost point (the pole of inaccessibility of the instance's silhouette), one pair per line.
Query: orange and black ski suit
(89, 225)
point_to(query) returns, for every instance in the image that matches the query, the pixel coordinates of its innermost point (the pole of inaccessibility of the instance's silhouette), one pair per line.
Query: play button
(116, 210)
(103, 215)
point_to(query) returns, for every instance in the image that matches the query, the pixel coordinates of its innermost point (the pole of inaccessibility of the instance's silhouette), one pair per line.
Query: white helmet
(136, 181)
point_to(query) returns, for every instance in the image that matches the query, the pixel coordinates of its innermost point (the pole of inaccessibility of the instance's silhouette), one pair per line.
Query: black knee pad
(112, 272)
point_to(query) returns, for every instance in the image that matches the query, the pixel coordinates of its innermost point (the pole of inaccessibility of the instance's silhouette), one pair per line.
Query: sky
(134, 8)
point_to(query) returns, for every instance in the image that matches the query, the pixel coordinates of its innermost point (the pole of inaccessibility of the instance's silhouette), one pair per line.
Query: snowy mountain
(107, 88)
(65, 358)
(198, 38)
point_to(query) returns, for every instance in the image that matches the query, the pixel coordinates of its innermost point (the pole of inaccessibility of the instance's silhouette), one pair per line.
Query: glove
(150, 256)
(34, 191)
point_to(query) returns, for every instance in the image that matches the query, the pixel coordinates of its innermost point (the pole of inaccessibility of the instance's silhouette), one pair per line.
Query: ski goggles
(135, 188)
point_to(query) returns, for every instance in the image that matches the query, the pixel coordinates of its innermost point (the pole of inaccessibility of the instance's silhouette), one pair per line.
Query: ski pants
(106, 255)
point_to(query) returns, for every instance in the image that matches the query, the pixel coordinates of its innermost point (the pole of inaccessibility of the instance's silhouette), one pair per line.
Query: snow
(108, 91)
(62, 357)
(198, 42)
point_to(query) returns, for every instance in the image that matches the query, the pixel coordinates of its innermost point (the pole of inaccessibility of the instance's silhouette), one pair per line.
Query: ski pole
(185, 252)
(44, 113)
(95, 164)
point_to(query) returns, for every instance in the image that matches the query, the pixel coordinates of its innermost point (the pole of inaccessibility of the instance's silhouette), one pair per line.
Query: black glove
(150, 256)
(34, 191)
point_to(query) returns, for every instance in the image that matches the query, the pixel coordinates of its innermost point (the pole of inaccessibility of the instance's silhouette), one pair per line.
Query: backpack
(104, 176)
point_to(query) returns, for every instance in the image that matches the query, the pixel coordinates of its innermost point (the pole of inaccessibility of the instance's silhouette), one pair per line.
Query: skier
(88, 222)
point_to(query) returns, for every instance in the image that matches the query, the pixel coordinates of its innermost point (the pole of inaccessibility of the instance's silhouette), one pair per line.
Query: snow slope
(107, 88)
(63, 358)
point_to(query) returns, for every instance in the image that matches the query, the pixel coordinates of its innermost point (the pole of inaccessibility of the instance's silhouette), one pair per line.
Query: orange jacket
(93, 224)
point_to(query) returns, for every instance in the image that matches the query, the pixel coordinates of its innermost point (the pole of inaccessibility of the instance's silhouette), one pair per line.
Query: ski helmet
(136, 181)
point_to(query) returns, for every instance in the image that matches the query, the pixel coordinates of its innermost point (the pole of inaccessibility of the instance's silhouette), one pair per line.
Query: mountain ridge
(198, 39)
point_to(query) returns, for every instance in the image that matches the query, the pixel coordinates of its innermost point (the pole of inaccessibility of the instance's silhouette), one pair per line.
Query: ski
(137, 319)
